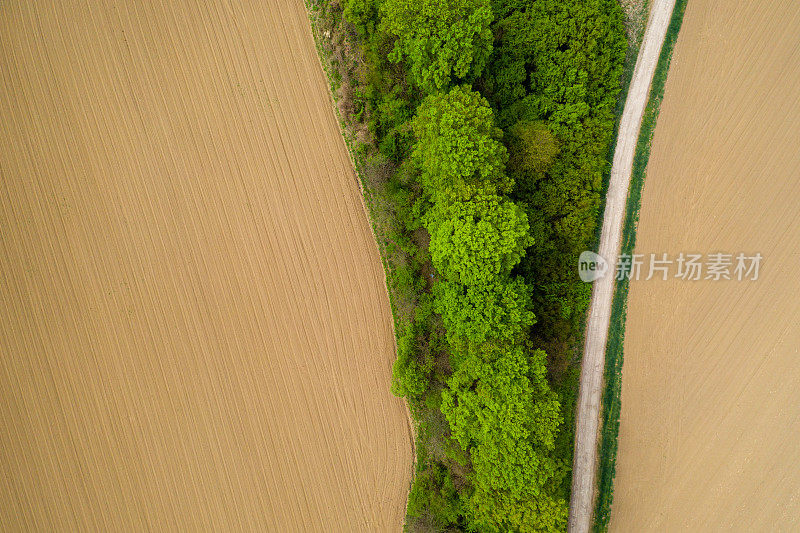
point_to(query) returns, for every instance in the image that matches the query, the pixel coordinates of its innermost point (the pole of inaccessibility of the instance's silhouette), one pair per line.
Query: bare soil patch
(194, 327)
(710, 417)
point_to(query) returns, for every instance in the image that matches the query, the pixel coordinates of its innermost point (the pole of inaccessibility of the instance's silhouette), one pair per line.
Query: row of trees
(497, 402)
(498, 115)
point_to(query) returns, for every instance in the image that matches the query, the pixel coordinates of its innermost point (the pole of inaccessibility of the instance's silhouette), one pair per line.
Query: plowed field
(194, 328)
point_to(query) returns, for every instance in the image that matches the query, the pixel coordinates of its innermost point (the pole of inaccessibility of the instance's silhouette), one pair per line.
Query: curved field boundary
(374, 199)
(591, 384)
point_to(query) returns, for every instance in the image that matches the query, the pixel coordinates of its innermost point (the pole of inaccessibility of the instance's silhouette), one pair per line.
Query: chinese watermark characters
(684, 266)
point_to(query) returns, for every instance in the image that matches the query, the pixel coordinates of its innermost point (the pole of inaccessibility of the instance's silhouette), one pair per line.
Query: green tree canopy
(441, 40)
(533, 149)
(362, 14)
(506, 75)
(458, 147)
(498, 310)
(501, 409)
(474, 241)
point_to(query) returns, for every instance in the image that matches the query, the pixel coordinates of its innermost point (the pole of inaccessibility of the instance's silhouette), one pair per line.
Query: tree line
(497, 116)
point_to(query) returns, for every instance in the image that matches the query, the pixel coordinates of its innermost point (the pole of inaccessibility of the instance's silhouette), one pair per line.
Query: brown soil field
(194, 327)
(710, 414)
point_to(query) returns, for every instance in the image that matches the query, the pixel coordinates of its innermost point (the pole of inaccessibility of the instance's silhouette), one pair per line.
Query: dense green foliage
(497, 401)
(495, 118)
(500, 408)
(473, 314)
(440, 40)
(554, 77)
(534, 148)
(459, 152)
(477, 240)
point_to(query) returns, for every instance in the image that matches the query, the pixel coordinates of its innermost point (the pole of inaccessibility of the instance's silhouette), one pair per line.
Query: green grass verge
(616, 333)
(372, 171)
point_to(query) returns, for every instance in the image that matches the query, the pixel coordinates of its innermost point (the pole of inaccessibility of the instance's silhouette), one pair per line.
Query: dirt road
(710, 414)
(194, 328)
(589, 397)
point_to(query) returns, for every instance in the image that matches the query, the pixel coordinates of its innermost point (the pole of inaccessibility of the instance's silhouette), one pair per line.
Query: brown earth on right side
(710, 413)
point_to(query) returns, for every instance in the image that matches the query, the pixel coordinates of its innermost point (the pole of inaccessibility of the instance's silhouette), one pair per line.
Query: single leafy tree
(472, 242)
(498, 310)
(441, 40)
(458, 147)
(533, 149)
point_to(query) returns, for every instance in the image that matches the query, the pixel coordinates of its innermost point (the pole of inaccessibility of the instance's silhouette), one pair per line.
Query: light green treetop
(441, 40)
(458, 150)
(472, 242)
(499, 310)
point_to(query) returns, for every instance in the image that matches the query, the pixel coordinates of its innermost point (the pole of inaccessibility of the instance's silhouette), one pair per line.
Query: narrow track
(584, 470)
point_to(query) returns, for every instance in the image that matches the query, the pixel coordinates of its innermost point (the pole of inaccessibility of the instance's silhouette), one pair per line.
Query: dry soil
(194, 328)
(710, 412)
